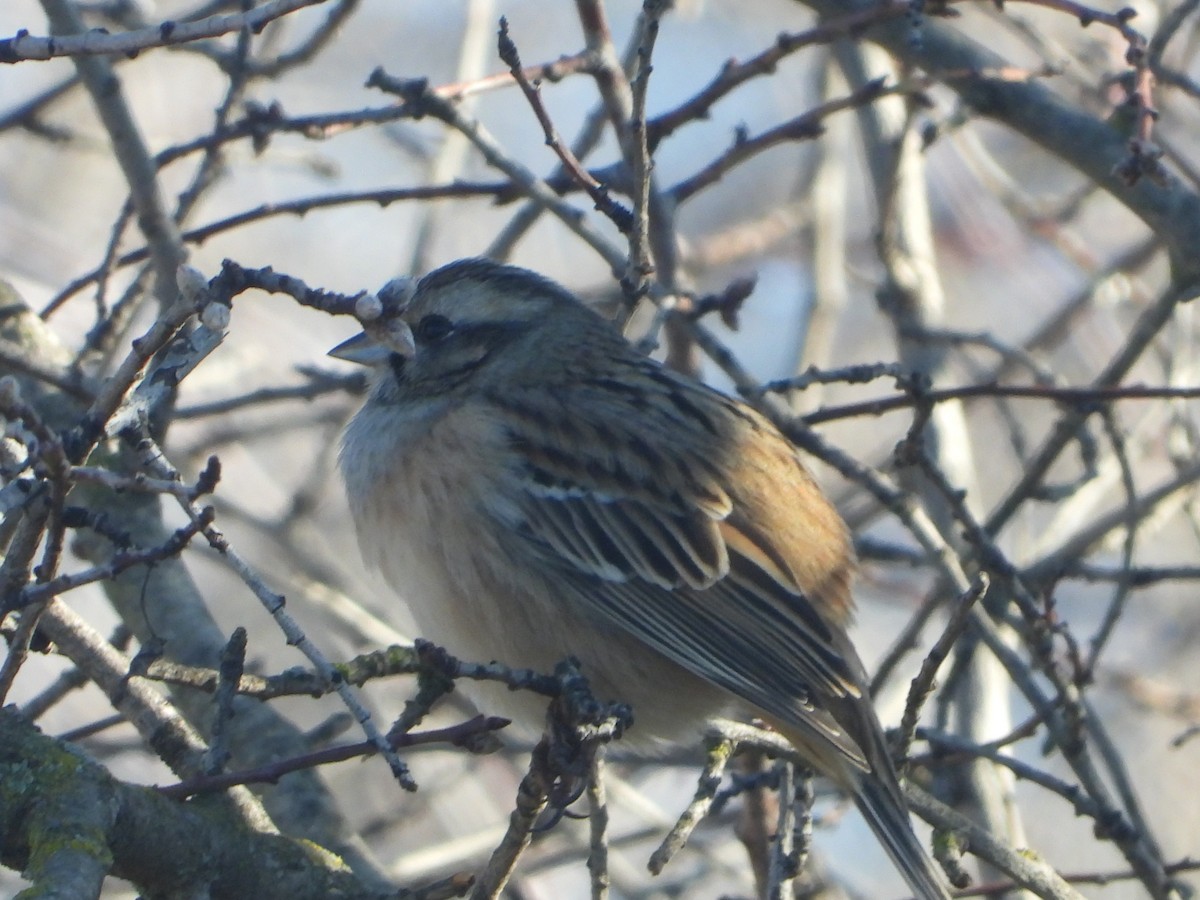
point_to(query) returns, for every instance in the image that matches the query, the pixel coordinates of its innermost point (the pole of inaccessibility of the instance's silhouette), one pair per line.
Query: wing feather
(648, 530)
(699, 635)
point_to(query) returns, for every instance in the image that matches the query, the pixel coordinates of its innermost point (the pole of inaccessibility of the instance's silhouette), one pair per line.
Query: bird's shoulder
(640, 444)
(633, 430)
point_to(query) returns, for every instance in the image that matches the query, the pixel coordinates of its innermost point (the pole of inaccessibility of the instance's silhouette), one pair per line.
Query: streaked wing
(661, 544)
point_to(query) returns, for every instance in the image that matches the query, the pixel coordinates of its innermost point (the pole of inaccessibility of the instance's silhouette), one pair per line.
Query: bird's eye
(432, 328)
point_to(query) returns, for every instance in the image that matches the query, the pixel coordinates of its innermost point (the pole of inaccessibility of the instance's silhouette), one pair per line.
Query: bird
(535, 487)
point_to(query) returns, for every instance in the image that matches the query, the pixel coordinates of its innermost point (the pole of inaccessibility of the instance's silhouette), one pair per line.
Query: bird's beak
(362, 349)
(373, 348)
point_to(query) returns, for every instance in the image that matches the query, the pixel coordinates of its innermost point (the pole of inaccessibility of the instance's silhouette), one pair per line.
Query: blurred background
(911, 231)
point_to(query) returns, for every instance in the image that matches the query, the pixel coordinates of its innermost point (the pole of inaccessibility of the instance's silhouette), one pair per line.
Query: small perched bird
(536, 488)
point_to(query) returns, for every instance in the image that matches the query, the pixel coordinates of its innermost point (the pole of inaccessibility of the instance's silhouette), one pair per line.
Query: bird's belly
(427, 529)
(479, 618)
(461, 602)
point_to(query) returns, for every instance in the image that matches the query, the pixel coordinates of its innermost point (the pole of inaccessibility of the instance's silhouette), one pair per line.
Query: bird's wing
(660, 514)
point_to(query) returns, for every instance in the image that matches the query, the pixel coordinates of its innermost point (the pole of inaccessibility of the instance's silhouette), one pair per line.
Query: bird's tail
(883, 807)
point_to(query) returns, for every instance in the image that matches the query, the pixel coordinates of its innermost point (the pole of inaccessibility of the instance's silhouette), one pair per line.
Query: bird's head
(467, 324)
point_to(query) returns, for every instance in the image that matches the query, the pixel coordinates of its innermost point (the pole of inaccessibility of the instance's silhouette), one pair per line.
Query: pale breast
(417, 481)
(427, 493)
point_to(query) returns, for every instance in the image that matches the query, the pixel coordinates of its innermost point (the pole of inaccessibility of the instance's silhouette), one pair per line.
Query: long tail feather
(889, 819)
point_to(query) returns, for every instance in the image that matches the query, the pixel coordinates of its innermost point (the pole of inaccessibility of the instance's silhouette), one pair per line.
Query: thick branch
(1081, 140)
(163, 847)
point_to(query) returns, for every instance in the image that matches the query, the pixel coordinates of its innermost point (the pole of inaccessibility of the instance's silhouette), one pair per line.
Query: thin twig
(720, 751)
(636, 279)
(1079, 397)
(617, 214)
(425, 101)
(926, 679)
(597, 861)
(465, 734)
(1024, 867)
(532, 796)
(233, 664)
(101, 43)
(782, 872)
